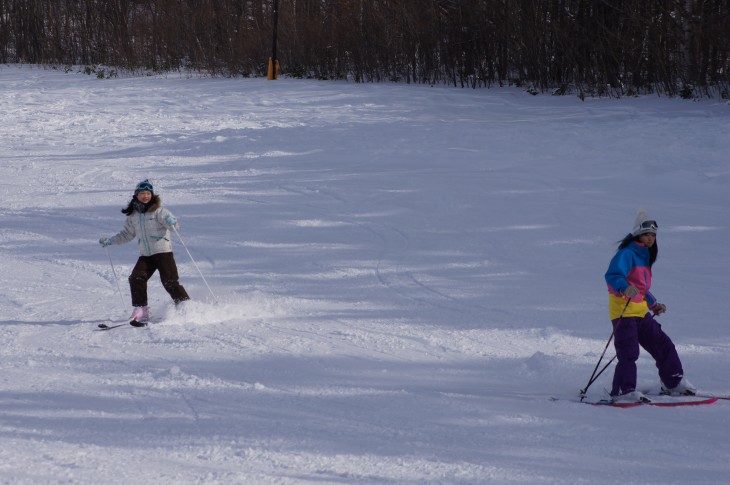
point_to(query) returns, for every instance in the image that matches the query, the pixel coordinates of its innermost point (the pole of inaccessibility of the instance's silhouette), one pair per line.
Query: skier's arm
(167, 219)
(126, 234)
(618, 271)
(654, 305)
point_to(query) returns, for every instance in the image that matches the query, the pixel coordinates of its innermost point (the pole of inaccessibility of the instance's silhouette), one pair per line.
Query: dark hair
(653, 251)
(136, 205)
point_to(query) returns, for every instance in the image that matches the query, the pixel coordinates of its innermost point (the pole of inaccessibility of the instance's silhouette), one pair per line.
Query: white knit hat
(644, 224)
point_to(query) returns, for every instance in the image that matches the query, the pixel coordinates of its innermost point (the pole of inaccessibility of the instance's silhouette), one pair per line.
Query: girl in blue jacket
(630, 305)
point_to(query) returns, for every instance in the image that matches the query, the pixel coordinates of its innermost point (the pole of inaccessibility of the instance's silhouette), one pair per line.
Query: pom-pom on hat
(644, 224)
(144, 185)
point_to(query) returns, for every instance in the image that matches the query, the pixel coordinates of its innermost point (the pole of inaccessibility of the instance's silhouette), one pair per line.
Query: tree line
(603, 47)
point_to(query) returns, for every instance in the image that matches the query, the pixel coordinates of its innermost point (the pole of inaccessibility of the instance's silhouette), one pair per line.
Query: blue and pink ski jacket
(630, 266)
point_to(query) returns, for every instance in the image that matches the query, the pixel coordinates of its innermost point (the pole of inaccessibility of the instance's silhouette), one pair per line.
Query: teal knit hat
(144, 185)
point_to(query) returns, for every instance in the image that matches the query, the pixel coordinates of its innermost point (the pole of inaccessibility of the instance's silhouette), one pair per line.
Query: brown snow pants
(143, 271)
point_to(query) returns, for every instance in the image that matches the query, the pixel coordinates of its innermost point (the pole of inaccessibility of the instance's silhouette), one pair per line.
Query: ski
(709, 396)
(657, 401)
(706, 395)
(674, 403)
(104, 326)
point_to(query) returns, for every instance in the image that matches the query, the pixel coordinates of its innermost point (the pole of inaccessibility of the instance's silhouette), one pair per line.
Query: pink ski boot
(140, 316)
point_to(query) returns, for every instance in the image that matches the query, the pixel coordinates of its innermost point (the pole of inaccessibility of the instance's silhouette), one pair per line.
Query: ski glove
(171, 220)
(658, 308)
(631, 291)
(105, 241)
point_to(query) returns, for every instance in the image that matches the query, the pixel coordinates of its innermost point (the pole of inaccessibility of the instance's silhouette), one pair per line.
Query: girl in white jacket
(150, 223)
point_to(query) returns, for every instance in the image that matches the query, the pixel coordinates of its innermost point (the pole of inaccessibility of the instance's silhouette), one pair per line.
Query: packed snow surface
(401, 277)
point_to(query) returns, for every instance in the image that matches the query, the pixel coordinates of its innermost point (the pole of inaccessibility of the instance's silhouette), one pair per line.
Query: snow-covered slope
(403, 277)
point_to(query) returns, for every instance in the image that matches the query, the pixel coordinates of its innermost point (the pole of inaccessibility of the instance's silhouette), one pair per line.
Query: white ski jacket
(150, 228)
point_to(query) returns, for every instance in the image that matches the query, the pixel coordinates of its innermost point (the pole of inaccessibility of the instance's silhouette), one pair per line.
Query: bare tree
(615, 47)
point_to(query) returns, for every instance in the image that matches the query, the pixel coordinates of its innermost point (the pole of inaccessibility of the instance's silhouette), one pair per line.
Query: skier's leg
(626, 342)
(653, 339)
(169, 276)
(143, 270)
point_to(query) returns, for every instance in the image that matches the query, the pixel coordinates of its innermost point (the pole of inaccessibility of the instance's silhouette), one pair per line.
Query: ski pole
(121, 298)
(593, 375)
(194, 263)
(600, 372)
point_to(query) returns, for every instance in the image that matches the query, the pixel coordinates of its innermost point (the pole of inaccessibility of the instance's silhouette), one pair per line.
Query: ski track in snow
(404, 276)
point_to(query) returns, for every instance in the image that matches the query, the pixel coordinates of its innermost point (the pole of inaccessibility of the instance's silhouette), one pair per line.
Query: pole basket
(273, 69)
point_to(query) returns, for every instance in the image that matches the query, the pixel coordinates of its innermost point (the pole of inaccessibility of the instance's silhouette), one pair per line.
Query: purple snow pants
(632, 332)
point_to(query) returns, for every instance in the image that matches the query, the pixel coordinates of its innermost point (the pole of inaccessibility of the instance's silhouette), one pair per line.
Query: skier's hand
(171, 220)
(631, 291)
(659, 308)
(105, 241)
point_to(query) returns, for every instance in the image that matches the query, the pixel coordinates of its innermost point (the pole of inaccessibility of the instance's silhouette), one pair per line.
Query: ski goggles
(649, 225)
(144, 186)
(645, 227)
